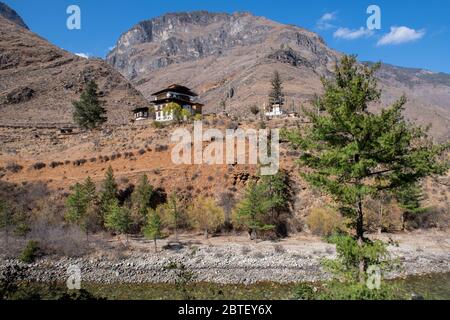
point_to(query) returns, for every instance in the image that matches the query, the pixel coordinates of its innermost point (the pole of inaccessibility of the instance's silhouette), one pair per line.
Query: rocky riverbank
(236, 262)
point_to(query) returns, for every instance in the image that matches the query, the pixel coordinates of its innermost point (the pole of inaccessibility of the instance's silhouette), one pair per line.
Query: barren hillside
(39, 81)
(30, 156)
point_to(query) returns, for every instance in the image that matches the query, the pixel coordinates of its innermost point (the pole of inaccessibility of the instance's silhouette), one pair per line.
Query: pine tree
(89, 113)
(206, 215)
(82, 206)
(93, 218)
(153, 228)
(227, 202)
(172, 213)
(264, 203)
(278, 196)
(141, 196)
(353, 153)
(276, 95)
(90, 190)
(252, 210)
(76, 204)
(276, 190)
(117, 218)
(410, 198)
(109, 190)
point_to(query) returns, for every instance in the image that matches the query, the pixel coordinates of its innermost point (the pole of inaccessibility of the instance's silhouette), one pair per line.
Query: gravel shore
(239, 262)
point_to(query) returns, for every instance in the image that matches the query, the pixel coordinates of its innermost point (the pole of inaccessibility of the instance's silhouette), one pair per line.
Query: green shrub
(325, 222)
(305, 292)
(38, 166)
(30, 252)
(13, 167)
(386, 217)
(336, 290)
(350, 253)
(157, 125)
(205, 215)
(22, 229)
(254, 109)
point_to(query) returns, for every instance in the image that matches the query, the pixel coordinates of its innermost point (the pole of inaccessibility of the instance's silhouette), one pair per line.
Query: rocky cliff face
(229, 59)
(11, 15)
(39, 81)
(183, 37)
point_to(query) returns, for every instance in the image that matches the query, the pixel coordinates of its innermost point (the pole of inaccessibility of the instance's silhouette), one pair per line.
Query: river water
(435, 286)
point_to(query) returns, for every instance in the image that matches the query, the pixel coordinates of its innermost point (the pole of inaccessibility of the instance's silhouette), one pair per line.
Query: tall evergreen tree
(252, 210)
(83, 207)
(276, 95)
(263, 204)
(117, 218)
(276, 190)
(353, 153)
(76, 204)
(88, 111)
(90, 190)
(410, 198)
(227, 201)
(141, 196)
(153, 228)
(172, 213)
(93, 217)
(278, 195)
(109, 190)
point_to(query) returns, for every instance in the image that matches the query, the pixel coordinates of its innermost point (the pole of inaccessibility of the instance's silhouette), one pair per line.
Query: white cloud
(329, 16)
(350, 34)
(83, 55)
(324, 23)
(400, 35)
(111, 48)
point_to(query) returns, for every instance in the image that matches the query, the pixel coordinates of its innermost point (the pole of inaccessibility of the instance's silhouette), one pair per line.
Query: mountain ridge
(11, 15)
(229, 58)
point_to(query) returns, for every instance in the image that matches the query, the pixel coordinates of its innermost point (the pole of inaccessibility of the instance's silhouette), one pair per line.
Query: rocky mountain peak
(189, 36)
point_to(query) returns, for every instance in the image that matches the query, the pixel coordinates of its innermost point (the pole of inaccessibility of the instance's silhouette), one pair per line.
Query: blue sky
(412, 34)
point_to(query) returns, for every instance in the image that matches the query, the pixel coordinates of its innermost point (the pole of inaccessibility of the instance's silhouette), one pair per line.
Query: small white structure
(274, 110)
(141, 113)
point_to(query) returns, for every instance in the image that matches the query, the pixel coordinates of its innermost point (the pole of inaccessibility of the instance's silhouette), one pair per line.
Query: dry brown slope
(151, 154)
(39, 81)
